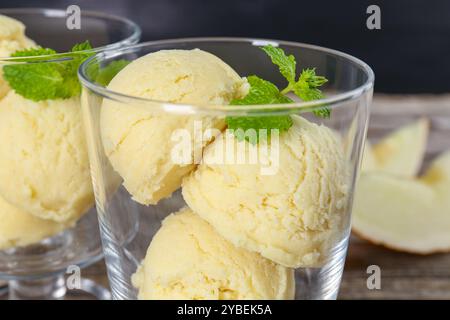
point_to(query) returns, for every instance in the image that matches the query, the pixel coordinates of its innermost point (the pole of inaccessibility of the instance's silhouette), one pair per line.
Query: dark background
(410, 54)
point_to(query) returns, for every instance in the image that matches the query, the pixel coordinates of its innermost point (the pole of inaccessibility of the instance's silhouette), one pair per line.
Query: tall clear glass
(274, 229)
(36, 252)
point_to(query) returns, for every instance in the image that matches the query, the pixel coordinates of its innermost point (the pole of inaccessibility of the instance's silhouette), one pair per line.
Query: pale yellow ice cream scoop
(187, 259)
(290, 216)
(19, 228)
(44, 168)
(139, 142)
(12, 39)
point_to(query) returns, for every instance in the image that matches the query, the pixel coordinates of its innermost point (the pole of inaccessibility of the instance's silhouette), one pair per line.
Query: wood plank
(403, 276)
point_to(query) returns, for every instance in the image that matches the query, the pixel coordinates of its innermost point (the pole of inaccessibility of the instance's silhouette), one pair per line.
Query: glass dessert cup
(129, 224)
(36, 270)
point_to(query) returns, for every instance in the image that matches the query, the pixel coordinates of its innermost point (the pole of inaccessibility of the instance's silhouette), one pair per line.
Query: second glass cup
(48, 222)
(190, 209)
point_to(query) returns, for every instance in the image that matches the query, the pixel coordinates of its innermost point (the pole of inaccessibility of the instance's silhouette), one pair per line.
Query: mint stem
(287, 89)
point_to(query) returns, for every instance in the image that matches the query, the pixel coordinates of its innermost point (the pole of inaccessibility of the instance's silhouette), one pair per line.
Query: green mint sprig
(260, 92)
(306, 87)
(42, 80)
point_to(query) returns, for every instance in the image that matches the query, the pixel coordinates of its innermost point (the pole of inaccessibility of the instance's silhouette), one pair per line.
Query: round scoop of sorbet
(12, 39)
(19, 228)
(140, 140)
(44, 167)
(187, 259)
(289, 214)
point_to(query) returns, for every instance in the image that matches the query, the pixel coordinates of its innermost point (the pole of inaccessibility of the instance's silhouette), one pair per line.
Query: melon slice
(401, 152)
(406, 214)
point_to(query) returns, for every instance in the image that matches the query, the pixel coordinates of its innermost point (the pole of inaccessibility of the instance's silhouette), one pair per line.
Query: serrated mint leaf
(285, 63)
(323, 112)
(264, 92)
(261, 92)
(32, 52)
(42, 80)
(83, 46)
(242, 125)
(306, 87)
(307, 94)
(71, 85)
(309, 77)
(35, 82)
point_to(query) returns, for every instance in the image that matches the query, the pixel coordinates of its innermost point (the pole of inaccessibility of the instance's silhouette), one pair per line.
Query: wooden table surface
(403, 276)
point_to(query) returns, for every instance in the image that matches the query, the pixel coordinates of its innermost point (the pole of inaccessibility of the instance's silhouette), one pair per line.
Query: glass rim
(306, 106)
(59, 13)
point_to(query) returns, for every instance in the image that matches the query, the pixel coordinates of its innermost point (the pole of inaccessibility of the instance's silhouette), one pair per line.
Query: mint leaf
(242, 125)
(306, 89)
(309, 77)
(261, 92)
(83, 46)
(323, 112)
(33, 52)
(287, 64)
(264, 92)
(35, 81)
(71, 86)
(39, 79)
(105, 75)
